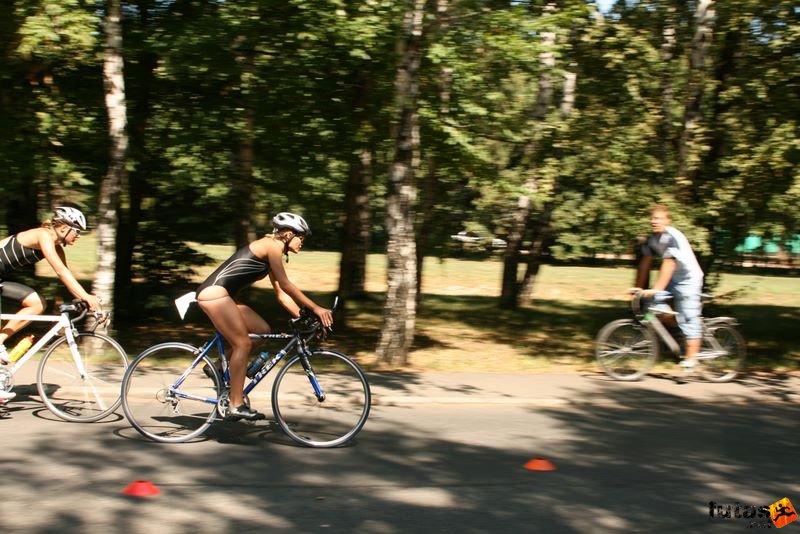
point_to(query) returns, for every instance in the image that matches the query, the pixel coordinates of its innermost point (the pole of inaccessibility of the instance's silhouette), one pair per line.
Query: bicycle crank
(6, 380)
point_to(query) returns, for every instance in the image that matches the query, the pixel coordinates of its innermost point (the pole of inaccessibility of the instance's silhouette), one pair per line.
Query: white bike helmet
(70, 216)
(291, 221)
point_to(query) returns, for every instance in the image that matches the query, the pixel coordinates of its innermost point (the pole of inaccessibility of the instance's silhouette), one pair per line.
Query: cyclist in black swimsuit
(235, 321)
(31, 246)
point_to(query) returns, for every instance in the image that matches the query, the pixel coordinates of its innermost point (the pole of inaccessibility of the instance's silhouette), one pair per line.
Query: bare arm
(285, 300)
(288, 294)
(643, 272)
(54, 254)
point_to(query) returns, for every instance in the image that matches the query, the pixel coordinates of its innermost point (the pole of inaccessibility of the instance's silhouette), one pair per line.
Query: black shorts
(15, 291)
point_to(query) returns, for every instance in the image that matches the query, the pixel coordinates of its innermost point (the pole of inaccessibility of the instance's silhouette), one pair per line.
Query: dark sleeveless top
(14, 255)
(237, 272)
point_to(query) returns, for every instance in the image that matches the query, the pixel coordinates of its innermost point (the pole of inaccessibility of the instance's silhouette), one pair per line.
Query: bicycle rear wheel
(327, 410)
(625, 349)
(167, 401)
(88, 396)
(722, 353)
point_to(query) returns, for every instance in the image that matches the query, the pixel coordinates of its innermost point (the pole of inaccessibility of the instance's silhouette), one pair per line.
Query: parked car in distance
(478, 239)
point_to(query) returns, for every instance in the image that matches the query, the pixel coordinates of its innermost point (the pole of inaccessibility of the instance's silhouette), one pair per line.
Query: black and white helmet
(72, 217)
(291, 221)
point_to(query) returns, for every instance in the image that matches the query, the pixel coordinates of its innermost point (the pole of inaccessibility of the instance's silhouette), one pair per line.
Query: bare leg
(228, 320)
(692, 348)
(234, 322)
(31, 305)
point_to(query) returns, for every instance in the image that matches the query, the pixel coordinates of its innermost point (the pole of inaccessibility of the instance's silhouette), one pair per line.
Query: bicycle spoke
(722, 353)
(92, 396)
(155, 409)
(625, 350)
(338, 417)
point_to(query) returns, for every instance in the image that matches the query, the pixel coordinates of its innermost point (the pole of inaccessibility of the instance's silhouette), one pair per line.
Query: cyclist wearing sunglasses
(235, 321)
(31, 246)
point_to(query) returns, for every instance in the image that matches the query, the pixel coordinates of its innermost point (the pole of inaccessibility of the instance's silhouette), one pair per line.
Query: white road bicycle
(80, 373)
(626, 349)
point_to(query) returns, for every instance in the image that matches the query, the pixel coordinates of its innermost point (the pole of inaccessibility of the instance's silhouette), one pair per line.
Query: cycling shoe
(244, 412)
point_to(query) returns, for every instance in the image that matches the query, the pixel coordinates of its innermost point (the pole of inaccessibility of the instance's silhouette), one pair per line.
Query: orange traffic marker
(141, 488)
(540, 464)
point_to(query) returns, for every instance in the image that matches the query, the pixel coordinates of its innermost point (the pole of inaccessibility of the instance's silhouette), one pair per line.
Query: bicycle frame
(661, 331)
(61, 322)
(651, 320)
(216, 341)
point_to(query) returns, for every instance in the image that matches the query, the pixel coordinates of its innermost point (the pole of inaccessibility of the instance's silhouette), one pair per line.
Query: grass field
(459, 326)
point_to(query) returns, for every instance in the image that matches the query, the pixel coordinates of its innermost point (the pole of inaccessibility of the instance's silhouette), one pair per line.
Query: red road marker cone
(141, 488)
(540, 464)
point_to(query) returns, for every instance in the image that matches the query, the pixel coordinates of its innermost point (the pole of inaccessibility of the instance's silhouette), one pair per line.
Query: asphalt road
(629, 458)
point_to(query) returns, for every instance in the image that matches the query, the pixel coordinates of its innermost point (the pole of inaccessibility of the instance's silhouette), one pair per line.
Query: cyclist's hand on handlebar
(94, 303)
(325, 316)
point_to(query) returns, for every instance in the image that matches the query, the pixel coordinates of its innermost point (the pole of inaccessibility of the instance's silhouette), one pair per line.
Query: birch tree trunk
(399, 322)
(688, 155)
(542, 228)
(667, 52)
(116, 177)
(511, 286)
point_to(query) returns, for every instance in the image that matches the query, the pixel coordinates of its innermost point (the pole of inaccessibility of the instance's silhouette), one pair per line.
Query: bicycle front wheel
(722, 353)
(626, 350)
(166, 400)
(324, 407)
(82, 395)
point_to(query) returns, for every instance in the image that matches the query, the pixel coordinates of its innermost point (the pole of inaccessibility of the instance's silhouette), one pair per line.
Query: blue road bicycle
(320, 397)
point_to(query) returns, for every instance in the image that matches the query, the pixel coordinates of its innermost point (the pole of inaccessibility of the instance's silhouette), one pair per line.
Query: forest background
(392, 125)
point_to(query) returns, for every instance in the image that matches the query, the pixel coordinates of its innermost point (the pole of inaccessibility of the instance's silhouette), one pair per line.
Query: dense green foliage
(307, 85)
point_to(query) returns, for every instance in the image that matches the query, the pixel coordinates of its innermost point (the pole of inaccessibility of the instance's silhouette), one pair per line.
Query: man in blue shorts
(680, 275)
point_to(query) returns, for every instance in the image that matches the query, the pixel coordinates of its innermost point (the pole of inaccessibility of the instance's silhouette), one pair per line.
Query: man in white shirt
(680, 274)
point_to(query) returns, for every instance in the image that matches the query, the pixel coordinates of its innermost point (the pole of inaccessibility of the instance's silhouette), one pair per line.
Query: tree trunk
(542, 229)
(356, 232)
(665, 128)
(242, 184)
(427, 204)
(511, 286)
(539, 245)
(130, 207)
(115, 179)
(430, 182)
(687, 153)
(397, 333)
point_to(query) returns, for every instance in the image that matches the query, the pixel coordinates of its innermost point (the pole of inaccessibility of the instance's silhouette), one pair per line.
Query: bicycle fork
(304, 353)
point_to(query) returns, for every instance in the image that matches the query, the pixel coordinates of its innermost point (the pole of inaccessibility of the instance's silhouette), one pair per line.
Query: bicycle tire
(722, 367)
(88, 398)
(626, 350)
(156, 412)
(338, 418)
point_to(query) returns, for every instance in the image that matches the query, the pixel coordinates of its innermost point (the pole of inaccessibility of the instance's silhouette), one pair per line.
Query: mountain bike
(320, 397)
(80, 373)
(626, 349)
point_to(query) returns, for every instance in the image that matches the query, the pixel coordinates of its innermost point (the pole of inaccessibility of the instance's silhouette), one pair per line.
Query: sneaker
(244, 412)
(7, 395)
(688, 365)
(4, 359)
